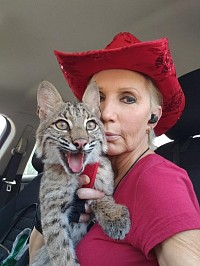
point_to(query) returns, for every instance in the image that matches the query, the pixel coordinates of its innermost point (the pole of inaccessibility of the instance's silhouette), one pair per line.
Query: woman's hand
(87, 194)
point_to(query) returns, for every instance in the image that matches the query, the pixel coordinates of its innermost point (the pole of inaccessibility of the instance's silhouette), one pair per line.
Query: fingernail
(86, 179)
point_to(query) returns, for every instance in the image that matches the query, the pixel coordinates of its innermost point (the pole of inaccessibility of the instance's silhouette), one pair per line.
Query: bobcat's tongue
(75, 161)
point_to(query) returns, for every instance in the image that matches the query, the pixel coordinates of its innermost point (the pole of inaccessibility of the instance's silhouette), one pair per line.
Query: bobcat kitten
(69, 137)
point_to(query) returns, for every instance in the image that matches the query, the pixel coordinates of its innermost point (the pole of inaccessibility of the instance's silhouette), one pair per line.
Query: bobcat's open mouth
(74, 161)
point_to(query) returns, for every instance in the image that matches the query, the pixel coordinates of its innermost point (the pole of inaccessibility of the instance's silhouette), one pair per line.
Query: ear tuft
(47, 97)
(91, 97)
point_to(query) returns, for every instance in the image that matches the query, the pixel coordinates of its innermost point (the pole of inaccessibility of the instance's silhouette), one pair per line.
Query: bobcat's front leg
(113, 218)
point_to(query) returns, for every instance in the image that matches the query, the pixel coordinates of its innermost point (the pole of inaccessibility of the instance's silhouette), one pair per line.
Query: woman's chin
(113, 150)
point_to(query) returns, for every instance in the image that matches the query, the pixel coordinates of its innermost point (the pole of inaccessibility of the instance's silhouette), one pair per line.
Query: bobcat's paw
(117, 223)
(70, 262)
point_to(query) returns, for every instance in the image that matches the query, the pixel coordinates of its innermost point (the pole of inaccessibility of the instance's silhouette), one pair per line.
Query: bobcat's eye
(91, 125)
(62, 125)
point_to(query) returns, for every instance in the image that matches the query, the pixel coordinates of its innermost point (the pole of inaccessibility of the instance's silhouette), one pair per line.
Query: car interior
(30, 32)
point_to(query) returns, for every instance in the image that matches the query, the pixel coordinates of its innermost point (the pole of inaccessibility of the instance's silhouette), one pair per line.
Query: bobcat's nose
(80, 143)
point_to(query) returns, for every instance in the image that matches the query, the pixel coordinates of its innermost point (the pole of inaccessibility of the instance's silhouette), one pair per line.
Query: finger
(89, 193)
(87, 209)
(84, 180)
(84, 218)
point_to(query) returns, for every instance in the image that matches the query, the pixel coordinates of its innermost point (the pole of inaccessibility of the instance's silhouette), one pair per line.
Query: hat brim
(150, 58)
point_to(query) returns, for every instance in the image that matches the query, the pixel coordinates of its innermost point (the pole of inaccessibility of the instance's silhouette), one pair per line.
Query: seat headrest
(189, 123)
(37, 163)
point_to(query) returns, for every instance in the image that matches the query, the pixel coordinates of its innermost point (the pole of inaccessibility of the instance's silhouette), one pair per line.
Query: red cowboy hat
(152, 58)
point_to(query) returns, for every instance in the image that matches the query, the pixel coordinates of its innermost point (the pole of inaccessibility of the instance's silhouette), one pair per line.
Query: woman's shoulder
(160, 177)
(158, 163)
(155, 180)
(154, 172)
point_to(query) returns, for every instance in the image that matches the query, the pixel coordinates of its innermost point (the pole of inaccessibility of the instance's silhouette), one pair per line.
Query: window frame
(6, 131)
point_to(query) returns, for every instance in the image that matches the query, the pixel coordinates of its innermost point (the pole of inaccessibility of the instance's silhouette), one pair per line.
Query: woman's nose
(108, 111)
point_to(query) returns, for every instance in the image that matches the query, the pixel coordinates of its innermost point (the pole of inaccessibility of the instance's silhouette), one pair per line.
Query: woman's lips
(111, 136)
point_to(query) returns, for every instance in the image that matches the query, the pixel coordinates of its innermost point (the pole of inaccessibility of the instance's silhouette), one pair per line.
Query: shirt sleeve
(165, 205)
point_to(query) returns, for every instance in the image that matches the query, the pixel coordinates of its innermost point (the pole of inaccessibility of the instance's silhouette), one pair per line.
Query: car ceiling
(31, 29)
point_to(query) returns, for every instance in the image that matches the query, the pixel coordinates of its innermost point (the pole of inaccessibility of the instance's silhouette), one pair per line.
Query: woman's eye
(62, 125)
(101, 98)
(91, 125)
(128, 99)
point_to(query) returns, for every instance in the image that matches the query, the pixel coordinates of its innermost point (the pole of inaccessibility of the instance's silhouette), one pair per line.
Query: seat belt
(9, 187)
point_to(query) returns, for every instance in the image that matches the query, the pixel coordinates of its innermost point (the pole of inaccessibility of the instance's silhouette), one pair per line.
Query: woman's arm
(180, 249)
(36, 241)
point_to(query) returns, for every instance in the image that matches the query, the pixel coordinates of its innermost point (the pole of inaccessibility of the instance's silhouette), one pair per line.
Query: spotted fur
(69, 137)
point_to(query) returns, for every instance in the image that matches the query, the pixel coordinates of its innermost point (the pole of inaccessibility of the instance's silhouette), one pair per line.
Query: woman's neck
(122, 163)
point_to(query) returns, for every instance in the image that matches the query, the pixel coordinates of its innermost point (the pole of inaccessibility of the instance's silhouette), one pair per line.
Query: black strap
(9, 186)
(10, 181)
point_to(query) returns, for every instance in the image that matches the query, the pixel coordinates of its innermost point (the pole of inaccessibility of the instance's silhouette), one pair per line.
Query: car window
(5, 128)
(29, 169)
(161, 140)
(2, 125)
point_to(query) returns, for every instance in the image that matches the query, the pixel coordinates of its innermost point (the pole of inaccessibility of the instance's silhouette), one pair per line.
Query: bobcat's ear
(47, 98)
(91, 98)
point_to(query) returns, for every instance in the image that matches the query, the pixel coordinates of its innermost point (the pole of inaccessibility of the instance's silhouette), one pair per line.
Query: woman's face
(125, 109)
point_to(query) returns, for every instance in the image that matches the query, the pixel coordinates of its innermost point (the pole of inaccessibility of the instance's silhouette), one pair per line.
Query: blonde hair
(156, 100)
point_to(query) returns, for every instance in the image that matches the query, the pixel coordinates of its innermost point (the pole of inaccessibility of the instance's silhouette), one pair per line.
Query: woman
(165, 214)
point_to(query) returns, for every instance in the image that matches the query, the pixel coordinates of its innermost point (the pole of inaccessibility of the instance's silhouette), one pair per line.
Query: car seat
(18, 214)
(184, 150)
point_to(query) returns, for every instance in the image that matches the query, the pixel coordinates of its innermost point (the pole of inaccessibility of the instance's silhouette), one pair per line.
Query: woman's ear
(155, 117)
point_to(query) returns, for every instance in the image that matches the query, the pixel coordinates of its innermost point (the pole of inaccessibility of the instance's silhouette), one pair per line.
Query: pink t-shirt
(161, 201)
